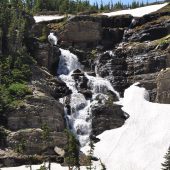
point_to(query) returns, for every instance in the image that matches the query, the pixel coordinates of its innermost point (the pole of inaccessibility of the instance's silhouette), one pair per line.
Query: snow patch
(137, 12)
(142, 142)
(42, 18)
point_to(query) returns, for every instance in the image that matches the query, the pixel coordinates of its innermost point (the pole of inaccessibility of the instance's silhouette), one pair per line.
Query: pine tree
(72, 151)
(166, 164)
(91, 151)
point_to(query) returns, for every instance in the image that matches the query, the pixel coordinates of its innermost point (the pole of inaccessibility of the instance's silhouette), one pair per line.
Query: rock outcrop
(90, 31)
(163, 89)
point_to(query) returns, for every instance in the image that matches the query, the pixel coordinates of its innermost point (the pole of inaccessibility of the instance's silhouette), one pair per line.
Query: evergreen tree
(72, 151)
(101, 6)
(166, 164)
(91, 151)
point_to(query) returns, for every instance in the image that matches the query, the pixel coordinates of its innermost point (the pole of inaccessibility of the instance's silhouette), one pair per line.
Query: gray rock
(163, 88)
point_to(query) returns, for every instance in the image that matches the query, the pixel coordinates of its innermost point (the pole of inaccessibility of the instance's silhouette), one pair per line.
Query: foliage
(3, 136)
(46, 132)
(19, 90)
(42, 167)
(15, 60)
(72, 151)
(20, 147)
(166, 164)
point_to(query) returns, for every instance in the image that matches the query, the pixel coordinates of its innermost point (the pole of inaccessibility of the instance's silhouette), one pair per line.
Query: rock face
(36, 141)
(149, 33)
(48, 56)
(90, 31)
(81, 31)
(38, 110)
(163, 89)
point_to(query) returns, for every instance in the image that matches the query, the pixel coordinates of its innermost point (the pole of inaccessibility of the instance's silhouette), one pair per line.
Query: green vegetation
(42, 167)
(91, 167)
(45, 133)
(20, 147)
(19, 90)
(15, 59)
(3, 136)
(166, 164)
(72, 151)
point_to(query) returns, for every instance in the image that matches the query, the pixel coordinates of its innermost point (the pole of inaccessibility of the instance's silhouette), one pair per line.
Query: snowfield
(141, 143)
(138, 12)
(42, 18)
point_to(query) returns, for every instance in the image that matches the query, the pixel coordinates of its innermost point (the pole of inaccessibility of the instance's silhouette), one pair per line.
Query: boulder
(106, 117)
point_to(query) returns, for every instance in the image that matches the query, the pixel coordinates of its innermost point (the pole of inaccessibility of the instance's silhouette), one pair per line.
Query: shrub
(19, 90)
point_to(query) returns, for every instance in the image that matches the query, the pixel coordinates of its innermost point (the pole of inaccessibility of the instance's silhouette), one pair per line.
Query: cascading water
(79, 117)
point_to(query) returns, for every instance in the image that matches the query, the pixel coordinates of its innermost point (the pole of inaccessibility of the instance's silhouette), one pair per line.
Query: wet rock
(94, 138)
(106, 117)
(87, 93)
(48, 56)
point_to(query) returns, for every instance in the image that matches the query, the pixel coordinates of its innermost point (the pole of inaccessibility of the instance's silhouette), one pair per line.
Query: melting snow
(144, 139)
(138, 12)
(42, 18)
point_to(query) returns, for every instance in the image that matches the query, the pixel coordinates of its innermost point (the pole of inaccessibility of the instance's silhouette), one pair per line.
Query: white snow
(142, 142)
(54, 166)
(42, 18)
(138, 12)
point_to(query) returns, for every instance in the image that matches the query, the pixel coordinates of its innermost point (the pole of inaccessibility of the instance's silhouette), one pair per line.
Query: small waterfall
(78, 116)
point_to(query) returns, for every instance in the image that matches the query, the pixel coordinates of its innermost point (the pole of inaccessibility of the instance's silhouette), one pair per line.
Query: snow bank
(35, 167)
(144, 139)
(138, 12)
(42, 18)
(54, 166)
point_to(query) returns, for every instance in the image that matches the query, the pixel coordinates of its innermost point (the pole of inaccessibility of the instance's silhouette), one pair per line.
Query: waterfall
(79, 116)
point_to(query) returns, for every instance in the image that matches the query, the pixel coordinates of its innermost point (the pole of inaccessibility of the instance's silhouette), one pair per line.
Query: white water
(80, 119)
(52, 39)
